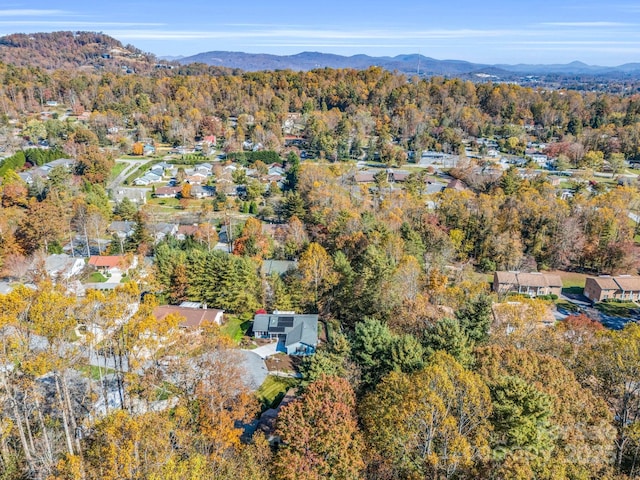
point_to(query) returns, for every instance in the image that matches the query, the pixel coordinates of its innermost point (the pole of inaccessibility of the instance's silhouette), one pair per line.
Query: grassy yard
(618, 309)
(273, 389)
(235, 327)
(96, 277)
(117, 169)
(164, 202)
(572, 282)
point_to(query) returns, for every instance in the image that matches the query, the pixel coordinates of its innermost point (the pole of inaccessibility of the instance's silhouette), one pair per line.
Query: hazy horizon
(491, 32)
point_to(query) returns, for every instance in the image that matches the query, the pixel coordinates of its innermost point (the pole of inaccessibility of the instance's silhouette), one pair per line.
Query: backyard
(274, 389)
(235, 327)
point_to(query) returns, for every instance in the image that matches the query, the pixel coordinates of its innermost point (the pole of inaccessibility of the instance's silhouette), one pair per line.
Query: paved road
(584, 305)
(133, 165)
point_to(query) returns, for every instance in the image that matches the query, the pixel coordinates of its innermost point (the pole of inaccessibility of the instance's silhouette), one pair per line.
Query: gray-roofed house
(161, 230)
(122, 229)
(296, 334)
(148, 178)
(202, 191)
(63, 266)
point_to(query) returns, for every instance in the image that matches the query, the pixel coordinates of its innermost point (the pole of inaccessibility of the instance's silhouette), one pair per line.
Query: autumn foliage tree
(433, 423)
(319, 434)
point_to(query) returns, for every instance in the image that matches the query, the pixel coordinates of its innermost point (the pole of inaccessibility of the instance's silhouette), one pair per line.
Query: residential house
(364, 177)
(202, 191)
(277, 179)
(63, 266)
(296, 334)
(196, 178)
(276, 169)
(210, 140)
(148, 178)
(397, 175)
(185, 231)
(167, 192)
(195, 315)
(108, 264)
(434, 187)
(43, 171)
(619, 287)
(533, 284)
(148, 149)
(204, 168)
(160, 169)
(457, 184)
(122, 229)
(162, 230)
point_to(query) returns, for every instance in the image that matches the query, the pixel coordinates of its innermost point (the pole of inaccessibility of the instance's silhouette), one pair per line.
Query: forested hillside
(70, 49)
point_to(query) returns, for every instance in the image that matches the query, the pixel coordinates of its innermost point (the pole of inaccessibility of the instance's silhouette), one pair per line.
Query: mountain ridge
(406, 63)
(67, 49)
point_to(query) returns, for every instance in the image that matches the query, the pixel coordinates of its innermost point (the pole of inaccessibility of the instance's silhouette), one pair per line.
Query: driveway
(255, 367)
(266, 350)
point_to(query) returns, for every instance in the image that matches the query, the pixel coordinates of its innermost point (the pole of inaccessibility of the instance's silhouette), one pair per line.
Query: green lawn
(235, 327)
(618, 309)
(164, 202)
(117, 169)
(97, 277)
(273, 389)
(141, 170)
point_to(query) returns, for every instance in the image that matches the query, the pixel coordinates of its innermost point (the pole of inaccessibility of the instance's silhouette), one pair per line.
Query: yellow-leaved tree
(433, 423)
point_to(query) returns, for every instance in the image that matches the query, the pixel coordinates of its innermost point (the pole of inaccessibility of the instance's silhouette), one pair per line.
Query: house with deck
(296, 334)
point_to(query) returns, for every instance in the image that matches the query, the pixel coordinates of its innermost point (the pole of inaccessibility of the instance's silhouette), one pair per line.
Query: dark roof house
(296, 334)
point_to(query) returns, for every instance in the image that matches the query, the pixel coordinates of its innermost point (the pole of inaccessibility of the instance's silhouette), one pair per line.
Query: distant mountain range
(98, 51)
(411, 63)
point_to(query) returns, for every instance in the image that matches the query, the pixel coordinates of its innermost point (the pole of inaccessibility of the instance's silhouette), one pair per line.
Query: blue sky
(487, 31)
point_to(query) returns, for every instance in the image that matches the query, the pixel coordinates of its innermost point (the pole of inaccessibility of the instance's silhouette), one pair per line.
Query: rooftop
(193, 317)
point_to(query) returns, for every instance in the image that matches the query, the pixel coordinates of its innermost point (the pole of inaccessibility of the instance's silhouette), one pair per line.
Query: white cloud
(303, 33)
(31, 13)
(67, 24)
(588, 24)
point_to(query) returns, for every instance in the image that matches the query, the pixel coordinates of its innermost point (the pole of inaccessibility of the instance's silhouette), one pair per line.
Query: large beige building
(532, 284)
(619, 287)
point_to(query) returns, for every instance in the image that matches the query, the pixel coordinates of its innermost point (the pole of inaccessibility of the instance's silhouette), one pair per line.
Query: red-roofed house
(210, 139)
(109, 263)
(194, 318)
